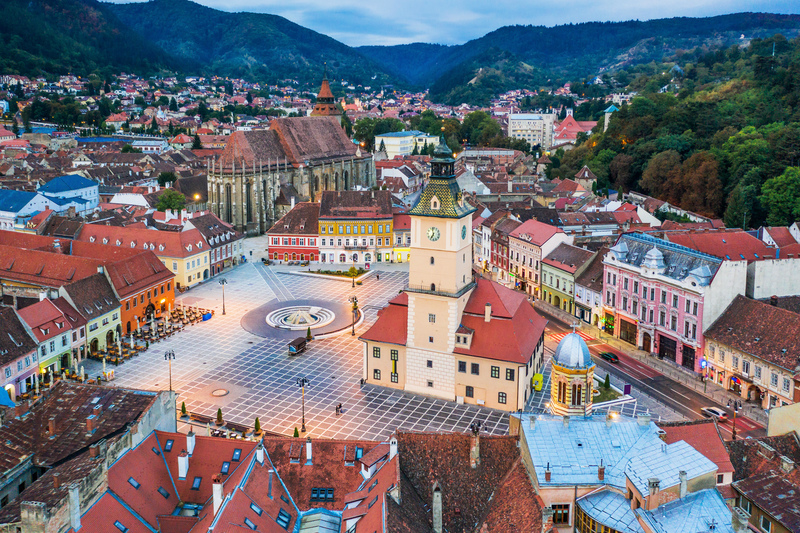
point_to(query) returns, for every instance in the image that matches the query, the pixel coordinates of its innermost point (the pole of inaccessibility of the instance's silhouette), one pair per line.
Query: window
(694, 308)
(196, 483)
(120, 526)
(376, 374)
(652, 293)
(163, 492)
(430, 339)
(135, 484)
(636, 287)
(462, 367)
(394, 355)
(431, 318)
(673, 324)
(430, 384)
(735, 362)
(662, 318)
(560, 513)
(720, 479)
(168, 445)
(766, 525)
(394, 377)
(635, 309)
(237, 453)
(376, 352)
(625, 303)
(321, 495)
(773, 379)
(475, 369)
(249, 523)
(283, 519)
(758, 372)
(745, 504)
(509, 374)
(625, 283)
(501, 397)
(255, 508)
(226, 467)
(496, 372)
(786, 384)
(745, 367)
(470, 392)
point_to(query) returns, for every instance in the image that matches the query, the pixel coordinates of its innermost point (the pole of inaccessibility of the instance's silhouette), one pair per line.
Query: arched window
(577, 396)
(433, 287)
(432, 262)
(342, 258)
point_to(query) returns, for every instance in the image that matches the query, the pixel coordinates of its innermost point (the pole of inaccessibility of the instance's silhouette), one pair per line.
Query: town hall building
(449, 335)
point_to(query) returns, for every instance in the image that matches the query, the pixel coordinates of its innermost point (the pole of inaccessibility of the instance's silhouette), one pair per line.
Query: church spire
(326, 103)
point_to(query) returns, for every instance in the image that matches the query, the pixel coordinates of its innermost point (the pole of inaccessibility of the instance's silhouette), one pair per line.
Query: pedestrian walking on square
(378, 276)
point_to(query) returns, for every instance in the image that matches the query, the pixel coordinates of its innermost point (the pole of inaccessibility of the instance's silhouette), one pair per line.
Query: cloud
(388, 22)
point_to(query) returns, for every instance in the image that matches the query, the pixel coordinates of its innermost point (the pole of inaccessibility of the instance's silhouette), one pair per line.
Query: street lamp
(736, 406)
(302, 382)
(223, 282)
(169, 355)
(354, 301)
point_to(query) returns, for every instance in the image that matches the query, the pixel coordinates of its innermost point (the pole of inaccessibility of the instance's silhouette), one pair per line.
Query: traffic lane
(632, 365)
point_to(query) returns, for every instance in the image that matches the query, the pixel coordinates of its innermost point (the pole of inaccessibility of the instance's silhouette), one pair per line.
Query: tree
(173, 105)
(257, 427)
(171, 199)
(382, 147)
(196, 144)
(702, 186)
(219, 417)
(128, 149)
(308, 333)
(620, 172)
(15, 128)
(607, 382)
(781, 197)
(167, 177)
(662, 169)
(183, 408)
(249, 98)
(296, 433)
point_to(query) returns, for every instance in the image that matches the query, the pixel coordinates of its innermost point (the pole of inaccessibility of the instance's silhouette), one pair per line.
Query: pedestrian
(378, 276)
(337, 410)
(339, 407)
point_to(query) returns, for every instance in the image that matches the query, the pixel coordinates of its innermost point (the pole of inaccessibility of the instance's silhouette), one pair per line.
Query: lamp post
(354, 301)
(736, 406)
(223, 282)
(302, 382)
(169, 355)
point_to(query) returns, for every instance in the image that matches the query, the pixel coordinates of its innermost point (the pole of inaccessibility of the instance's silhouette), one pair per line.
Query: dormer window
(105, 240)
(435, 204)
(133, 244)
(160, 247)
(189, 247)
(92, 238)
(119, 242)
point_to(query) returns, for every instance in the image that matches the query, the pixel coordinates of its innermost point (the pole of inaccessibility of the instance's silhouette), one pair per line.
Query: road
(675, 395)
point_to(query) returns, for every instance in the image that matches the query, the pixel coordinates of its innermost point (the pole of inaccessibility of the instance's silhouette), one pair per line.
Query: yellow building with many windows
(355, 227)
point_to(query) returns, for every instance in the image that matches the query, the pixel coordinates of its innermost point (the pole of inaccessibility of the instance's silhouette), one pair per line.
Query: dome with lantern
(572, 352)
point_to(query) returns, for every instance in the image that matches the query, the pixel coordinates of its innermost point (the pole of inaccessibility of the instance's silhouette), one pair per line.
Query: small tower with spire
(326, 104)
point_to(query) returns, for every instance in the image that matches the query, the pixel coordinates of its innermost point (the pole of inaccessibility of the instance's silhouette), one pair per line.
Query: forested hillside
(728, 145)
(77, 36)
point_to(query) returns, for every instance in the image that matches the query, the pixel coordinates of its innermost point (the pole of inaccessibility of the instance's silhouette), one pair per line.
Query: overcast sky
(388, 22)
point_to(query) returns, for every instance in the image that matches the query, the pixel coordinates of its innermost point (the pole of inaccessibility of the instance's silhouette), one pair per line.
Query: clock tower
(440, 276)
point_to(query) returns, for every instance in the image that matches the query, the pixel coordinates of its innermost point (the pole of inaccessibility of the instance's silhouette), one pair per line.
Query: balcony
(356, 247)
(426, 289)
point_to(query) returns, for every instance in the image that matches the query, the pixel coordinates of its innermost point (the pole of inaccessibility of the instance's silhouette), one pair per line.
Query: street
(677, 396)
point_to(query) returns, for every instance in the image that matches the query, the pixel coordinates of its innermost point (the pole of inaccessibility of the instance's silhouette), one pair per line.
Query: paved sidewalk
(666, 367)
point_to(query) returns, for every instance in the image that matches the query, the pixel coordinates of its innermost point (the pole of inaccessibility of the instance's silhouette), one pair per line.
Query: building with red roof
(527, 244)
(450, 335)
(295, 237)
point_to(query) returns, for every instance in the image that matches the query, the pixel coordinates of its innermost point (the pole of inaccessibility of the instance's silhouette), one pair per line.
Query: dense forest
(72, 36)
(725, 143)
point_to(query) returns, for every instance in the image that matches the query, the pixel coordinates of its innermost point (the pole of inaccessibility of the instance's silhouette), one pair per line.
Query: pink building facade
(659, 296)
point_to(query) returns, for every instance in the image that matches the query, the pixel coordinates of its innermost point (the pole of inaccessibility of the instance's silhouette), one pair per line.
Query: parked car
(714, 412)
(610, 357)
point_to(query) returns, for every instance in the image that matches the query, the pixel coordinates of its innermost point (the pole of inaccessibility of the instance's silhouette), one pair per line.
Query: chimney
(94, 450)
(566, 421)
(547, 519)
(21, 409)
(773, 300)
(739, 520)
(75, 506)
(475, 451)
(97, 410)
(90, 426)
(56, 480)
(547, 473)
(216, 479)
(260, 453)
(601, 472)
(392, 447)
(787, 465)
(190, 442)
(99, 269)
(51, 426)
(308, 451)
(292, 207)
(183, 465)
(487, 313)
(509, 186)
(436, 508)
(644, 419)
(682, 477)
(652, 485)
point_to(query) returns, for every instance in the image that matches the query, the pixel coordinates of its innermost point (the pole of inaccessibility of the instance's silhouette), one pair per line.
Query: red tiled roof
(703, 436)
(43, 268)
(167, 243)
(303, 219)
(101, 516)
(392, 324)
(734, 245)
(781, 235)
(535, 232)
(44, 316)
(567, 257)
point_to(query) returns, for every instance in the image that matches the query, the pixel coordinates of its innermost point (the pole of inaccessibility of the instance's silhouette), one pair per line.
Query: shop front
(688, 357)
(627, 331)
(583, 312)
(667, 348)
(607, 323)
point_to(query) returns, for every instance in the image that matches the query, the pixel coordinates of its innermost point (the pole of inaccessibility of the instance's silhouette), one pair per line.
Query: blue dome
(572, 352)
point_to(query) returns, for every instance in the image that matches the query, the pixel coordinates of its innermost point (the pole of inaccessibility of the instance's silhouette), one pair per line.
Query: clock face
(433, 234)
(464, 231)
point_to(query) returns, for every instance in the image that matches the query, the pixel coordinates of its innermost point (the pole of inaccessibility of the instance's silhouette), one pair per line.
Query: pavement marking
(559, 336)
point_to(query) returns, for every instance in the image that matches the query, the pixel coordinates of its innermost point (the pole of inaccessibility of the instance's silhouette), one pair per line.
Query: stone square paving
(260, 378)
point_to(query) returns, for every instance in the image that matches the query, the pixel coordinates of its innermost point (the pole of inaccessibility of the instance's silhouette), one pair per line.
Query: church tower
(440, 277)
(572, 378)
(326, 103)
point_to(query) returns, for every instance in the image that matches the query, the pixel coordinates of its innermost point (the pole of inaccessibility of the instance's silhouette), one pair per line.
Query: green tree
(196, 144)
(296, 433)
(662, 170)
(219, 417)
(781, 197)
(308, 333)
(173, 105)
(167, 177)
(257, 426)
(128, 149)
(171, 199)
(183, 408)
(607, 382)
